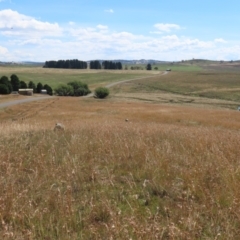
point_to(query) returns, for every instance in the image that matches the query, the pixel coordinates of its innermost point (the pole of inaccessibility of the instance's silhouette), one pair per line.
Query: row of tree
(14, 84)
(76, 64)
(68, 64)
(105, 65)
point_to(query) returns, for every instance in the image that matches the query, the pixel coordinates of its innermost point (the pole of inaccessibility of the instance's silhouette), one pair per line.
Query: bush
(4, 89)
(101, 92)
(64, 90)
(79, 88)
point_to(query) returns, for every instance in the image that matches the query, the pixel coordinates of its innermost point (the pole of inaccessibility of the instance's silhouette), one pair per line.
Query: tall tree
(23, 85)
(39, 87)
(32, 86)
(4, 80)
(15, 82)
(149, 67)
(49, 89)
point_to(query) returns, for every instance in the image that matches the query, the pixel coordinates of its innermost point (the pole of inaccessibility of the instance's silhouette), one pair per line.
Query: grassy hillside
(204, 84)
(169, 172)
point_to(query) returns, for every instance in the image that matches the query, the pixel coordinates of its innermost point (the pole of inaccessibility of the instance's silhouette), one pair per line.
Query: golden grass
(170, 172)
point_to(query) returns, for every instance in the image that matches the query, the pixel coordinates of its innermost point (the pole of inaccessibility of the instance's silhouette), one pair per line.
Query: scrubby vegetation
(75, 88)
(101, 92)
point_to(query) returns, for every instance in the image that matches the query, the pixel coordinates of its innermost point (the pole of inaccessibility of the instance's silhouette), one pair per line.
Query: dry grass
(206, 88)
(170, 172)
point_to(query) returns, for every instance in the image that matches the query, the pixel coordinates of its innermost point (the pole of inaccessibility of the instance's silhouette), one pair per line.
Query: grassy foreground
(170, 172)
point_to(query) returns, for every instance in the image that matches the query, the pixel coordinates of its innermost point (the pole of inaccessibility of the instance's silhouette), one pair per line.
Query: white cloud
(40, 41)
(3, 50)
(13, 23)
(162, 27)
(220, 40)
(102, 27)
(109, 11)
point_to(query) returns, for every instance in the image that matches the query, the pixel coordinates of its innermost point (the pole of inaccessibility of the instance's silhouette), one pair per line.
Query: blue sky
(92, 29)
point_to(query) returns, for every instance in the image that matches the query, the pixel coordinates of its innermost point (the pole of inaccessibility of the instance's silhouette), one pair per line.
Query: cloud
(102, 27)
(220, 40)
(109, 11)
(25, 38)
(13, 23)
(3, 50)
(165, 28)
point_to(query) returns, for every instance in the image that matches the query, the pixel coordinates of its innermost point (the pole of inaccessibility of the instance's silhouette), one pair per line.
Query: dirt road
(31, 99)
(26, 100)
(129, 80)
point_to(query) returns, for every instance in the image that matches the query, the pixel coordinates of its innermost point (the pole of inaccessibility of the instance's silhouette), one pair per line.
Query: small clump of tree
(75, 88)
(101, 92)
(14, 84)
(111, 65)
(95, 64)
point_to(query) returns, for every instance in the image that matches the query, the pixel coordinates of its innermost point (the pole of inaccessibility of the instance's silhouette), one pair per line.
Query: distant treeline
(76, 64)
(105, 65)
(69, 64)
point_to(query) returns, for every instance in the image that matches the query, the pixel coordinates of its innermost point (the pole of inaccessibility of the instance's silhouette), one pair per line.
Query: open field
(170, 172)
(54, 77)
(190, 87)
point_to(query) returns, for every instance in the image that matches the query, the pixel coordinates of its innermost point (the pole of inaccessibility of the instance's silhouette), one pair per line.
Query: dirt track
(31, 99)
(26, 100)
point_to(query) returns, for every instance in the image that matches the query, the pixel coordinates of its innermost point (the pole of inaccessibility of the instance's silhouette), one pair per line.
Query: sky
(172, 30)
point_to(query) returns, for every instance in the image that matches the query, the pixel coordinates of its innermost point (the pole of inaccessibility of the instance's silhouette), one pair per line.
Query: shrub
(64, 90)
(79, 88)
(101, 92)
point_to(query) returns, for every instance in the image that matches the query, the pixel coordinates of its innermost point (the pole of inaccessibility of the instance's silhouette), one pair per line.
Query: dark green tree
(15, 82)
(4, 80)
(4, 89)
(39, 87)
(149, 67)
(32, 86)
(23, 85)
(49, 89)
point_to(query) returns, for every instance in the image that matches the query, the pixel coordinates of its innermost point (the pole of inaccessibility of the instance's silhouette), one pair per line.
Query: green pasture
(179, 67)
(186, 79)
(202, 84)
(54, 77)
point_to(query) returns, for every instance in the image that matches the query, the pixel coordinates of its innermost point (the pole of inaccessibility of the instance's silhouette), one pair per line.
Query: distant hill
(27, 63)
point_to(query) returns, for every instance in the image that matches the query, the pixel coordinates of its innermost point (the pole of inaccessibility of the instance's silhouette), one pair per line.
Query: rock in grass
(59, 127)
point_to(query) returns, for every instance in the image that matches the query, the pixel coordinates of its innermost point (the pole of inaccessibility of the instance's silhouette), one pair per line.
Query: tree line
(68, 64)
(76, 64)
(14, 84)
(105, 65)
